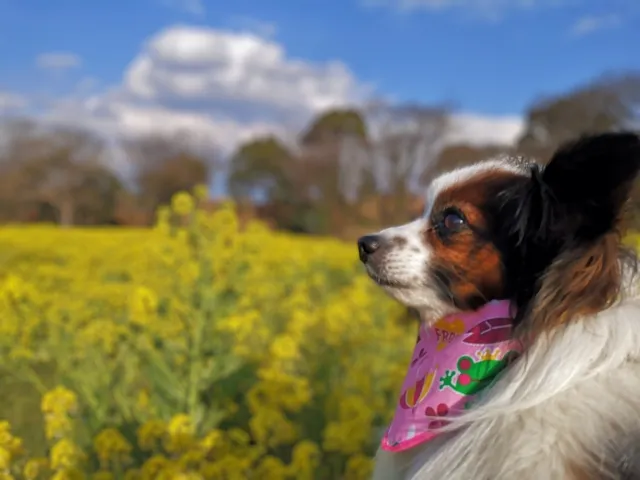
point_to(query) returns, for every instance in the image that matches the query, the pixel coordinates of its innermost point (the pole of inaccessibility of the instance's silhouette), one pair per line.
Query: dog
(549, 238)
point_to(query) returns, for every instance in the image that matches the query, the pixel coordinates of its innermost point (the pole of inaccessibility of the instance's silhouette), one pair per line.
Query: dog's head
(545, 237)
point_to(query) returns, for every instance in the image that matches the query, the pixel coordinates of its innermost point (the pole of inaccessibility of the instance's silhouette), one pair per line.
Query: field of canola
(197, 351)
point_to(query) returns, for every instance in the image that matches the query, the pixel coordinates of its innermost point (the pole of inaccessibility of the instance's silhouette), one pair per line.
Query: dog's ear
(562, 222)
(589, 181)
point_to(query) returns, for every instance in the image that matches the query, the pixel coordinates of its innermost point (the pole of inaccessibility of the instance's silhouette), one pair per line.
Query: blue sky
(488, 57)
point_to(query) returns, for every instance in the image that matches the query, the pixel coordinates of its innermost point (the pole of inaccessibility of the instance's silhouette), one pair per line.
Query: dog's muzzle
(367, 246)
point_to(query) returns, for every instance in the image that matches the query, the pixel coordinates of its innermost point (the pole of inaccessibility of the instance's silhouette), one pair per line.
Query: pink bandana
(452, 361)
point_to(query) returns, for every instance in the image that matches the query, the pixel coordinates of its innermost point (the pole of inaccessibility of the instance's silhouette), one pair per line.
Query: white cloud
(10, 102)
(592, 23)
(487, 9)
(485, 130)
(222, 88)
(193, 7)
(58, 61)
(238, 71)
(116, 119)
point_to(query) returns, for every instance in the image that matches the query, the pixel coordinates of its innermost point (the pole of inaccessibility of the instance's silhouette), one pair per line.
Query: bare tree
(62, 169)
(608, 103)
(405, 141)
(463, 154)
(164, 165)
(355, 172)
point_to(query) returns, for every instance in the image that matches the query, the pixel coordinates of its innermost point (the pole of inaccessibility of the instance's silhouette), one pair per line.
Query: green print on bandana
(474, 375)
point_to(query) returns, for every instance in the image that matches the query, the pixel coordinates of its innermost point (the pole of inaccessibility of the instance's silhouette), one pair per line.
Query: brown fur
(473, 263)
(579, 282)
(577, 471)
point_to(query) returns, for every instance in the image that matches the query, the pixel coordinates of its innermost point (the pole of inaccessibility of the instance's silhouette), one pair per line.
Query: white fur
(405, 265)
(572, 400)
(463, 174)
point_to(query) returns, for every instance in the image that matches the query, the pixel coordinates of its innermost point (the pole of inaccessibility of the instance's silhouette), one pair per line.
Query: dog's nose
(367, 245)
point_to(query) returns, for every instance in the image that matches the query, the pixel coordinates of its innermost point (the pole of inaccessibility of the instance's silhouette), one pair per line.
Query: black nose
(367, 245)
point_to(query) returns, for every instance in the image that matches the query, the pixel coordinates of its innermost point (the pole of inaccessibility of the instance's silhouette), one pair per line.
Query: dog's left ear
(590, 180)
(564, 228)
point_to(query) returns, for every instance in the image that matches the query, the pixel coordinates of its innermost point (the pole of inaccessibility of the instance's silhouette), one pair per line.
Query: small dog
(549, 240)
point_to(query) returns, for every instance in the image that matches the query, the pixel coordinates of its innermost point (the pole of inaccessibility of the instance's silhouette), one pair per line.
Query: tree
(333, 125)
(330, 157)
(405, 142)
(163, 166)
(262, 167)
(301, 190)
(609, 103)
(461, 155)
(60, 173)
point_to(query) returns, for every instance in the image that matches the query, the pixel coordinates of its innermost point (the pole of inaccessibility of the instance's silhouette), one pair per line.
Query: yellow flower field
(195, 350)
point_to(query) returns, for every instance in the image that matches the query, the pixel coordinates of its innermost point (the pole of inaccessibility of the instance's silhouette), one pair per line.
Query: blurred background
(181, 185)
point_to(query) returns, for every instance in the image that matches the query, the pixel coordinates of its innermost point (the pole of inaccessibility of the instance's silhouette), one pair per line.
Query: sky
(227, 70)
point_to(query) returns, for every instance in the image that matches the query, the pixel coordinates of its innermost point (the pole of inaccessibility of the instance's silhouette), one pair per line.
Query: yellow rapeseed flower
(144, 303)
(5, 459)
(34, 467)
(112, 447)
(213, 441)
(286, 356)
(154, 466)
(9, 442)
(65, 455)
(272, 468)
(305, 460)
(182, 203)
(60, 400)
(57, 425)
(180, 433)
(201, 192)
(359, 467)
(151, 433)
(284, 347)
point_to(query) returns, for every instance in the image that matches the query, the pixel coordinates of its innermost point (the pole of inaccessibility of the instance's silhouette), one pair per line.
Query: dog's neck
(587, 370)
(430, 315)
(454, 360)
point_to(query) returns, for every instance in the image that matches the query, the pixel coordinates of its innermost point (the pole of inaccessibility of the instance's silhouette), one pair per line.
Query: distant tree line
(348, 171)
(67, 176)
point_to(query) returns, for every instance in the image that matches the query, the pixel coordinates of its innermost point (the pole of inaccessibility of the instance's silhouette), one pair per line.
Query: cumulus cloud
(220, 86)
(223, 87)
(10, 102)
(592, 23)
(482, 130)
(222, 70)
(58, 61)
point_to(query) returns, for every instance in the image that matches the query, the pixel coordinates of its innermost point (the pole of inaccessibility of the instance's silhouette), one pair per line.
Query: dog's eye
(452, 221)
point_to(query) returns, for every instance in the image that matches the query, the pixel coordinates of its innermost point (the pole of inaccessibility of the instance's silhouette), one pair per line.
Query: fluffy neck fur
(564, 410)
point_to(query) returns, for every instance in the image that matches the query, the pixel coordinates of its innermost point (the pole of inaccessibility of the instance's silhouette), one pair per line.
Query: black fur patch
(574, 200)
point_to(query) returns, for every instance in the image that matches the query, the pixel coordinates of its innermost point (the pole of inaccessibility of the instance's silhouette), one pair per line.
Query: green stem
(195, 369)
